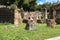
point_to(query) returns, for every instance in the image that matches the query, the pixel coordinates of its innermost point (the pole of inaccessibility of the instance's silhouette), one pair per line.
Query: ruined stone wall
(58, 14)
(35, 15)
(28, 14)
(57, 8)
(25, 15)
(7, 16)
(17, 17)
(58, 17)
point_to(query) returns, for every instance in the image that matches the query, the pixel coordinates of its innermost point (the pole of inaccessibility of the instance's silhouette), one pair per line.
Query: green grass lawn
(40, 33)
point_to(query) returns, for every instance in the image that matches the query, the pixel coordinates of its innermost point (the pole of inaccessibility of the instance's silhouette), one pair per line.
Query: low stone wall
(33, 14)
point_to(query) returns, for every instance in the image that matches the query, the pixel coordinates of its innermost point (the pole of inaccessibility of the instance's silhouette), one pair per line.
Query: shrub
(12, 7)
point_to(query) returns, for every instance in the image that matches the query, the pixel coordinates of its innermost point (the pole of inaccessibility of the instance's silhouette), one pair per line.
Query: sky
(44, 1)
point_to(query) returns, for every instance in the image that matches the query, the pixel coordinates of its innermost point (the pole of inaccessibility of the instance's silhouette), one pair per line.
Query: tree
(27, 4)
(45, 5)
(6, 2)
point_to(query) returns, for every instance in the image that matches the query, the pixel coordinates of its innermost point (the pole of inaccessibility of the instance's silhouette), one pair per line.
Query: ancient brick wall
(33, 14)
(17, 17)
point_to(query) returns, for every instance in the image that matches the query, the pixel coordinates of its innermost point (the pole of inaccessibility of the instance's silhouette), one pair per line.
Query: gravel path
(54, 38)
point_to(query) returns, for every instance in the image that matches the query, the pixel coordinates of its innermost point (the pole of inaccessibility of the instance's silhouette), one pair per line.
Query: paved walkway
(54, 38)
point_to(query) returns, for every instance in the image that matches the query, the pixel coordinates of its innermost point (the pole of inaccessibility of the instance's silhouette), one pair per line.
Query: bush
(58, 21)
(25, 21)
(39, 21)
(12, 7)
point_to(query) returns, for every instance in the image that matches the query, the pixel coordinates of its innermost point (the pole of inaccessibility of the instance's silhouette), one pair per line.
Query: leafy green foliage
(12, 7)
(45, 5)
(6, 2)
(27, 5)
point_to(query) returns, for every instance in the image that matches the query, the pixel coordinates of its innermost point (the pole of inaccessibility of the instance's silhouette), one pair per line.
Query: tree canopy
(27, 5)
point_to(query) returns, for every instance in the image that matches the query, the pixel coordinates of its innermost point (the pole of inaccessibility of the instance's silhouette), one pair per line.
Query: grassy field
(40, 33)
